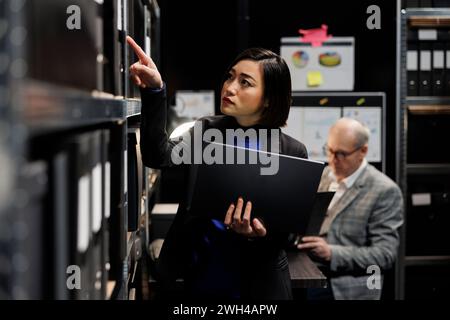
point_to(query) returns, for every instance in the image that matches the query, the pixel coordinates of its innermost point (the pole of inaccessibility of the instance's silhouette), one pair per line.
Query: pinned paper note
(315, 36)
(314, 78)
(323, 101)
(360, 101)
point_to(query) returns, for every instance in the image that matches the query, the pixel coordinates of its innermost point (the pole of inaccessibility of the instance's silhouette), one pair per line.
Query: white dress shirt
(340, 188)
(346, 183)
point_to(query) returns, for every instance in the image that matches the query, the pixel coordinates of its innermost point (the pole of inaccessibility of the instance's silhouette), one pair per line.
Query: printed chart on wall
(316, 124)
(312, 115)
(310, 125)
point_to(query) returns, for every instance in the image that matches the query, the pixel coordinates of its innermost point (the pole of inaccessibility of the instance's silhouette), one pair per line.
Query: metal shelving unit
(427, 101)
(419, 168)
(48, 108)
(417, 106)
(37, 114)
(427, 260)
(16, 196)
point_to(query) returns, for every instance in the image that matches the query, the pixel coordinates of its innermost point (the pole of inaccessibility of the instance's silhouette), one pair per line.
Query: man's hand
(241, 223)
(317, 246)
(144, 72)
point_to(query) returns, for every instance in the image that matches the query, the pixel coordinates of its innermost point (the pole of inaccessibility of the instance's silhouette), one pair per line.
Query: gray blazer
(364, 232)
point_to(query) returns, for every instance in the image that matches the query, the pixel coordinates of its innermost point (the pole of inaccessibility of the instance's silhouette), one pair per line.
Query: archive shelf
(44, 126)
(422, 171)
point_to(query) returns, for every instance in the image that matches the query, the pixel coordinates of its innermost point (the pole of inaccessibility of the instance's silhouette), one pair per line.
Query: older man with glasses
(360, 231)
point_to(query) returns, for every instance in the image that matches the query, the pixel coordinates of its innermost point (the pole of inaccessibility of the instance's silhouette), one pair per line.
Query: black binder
(106, 173)
(438, 73)
(118, 218)
(60, 206)
(95, 259)
(111, 71)
(425, 63)
(80, 212)
(412, 66)
(447, 69)
(132, 182)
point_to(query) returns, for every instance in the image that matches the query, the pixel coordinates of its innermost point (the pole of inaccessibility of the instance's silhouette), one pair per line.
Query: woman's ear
(266, 104)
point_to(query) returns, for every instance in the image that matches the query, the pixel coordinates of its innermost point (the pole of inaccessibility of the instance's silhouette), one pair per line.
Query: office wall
(200, 38)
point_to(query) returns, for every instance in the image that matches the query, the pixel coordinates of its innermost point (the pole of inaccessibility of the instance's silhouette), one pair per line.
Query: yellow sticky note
(314, 78)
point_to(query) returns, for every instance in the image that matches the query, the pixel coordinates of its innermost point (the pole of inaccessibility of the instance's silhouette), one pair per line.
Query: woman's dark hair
(277, 84)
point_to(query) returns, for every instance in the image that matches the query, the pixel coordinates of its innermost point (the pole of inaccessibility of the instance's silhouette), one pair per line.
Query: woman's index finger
(138, 50)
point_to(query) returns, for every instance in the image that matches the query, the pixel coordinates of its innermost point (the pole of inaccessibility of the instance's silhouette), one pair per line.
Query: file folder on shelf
(438, 79)
(96, 265)
(106, 167)
(412, 66)
(447, 69)
(80, 212)
(425, 61)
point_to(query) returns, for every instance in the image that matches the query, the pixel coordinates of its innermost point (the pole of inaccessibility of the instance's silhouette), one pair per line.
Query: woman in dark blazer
(237, 257)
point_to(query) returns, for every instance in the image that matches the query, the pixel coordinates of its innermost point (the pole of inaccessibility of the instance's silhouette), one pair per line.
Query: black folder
(318, 212)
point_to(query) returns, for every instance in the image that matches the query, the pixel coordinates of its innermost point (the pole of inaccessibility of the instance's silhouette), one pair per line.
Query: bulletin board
(311, 116)
(328, 67)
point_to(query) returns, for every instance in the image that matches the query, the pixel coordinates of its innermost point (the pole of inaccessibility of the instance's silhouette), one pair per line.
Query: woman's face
(242, 93)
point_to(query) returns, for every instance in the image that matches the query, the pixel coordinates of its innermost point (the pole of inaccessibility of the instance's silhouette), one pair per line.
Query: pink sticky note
(315, 36)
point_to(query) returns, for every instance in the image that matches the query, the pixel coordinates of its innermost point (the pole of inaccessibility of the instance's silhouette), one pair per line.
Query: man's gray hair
(359, 131)
(362, 134)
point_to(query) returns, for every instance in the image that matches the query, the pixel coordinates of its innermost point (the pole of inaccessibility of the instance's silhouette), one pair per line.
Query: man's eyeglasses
(340, 155)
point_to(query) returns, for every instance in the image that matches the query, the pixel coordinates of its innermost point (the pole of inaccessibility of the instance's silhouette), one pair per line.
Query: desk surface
(304, 272)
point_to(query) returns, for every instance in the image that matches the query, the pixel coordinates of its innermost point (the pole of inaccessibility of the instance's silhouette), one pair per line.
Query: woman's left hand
(241, 223)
